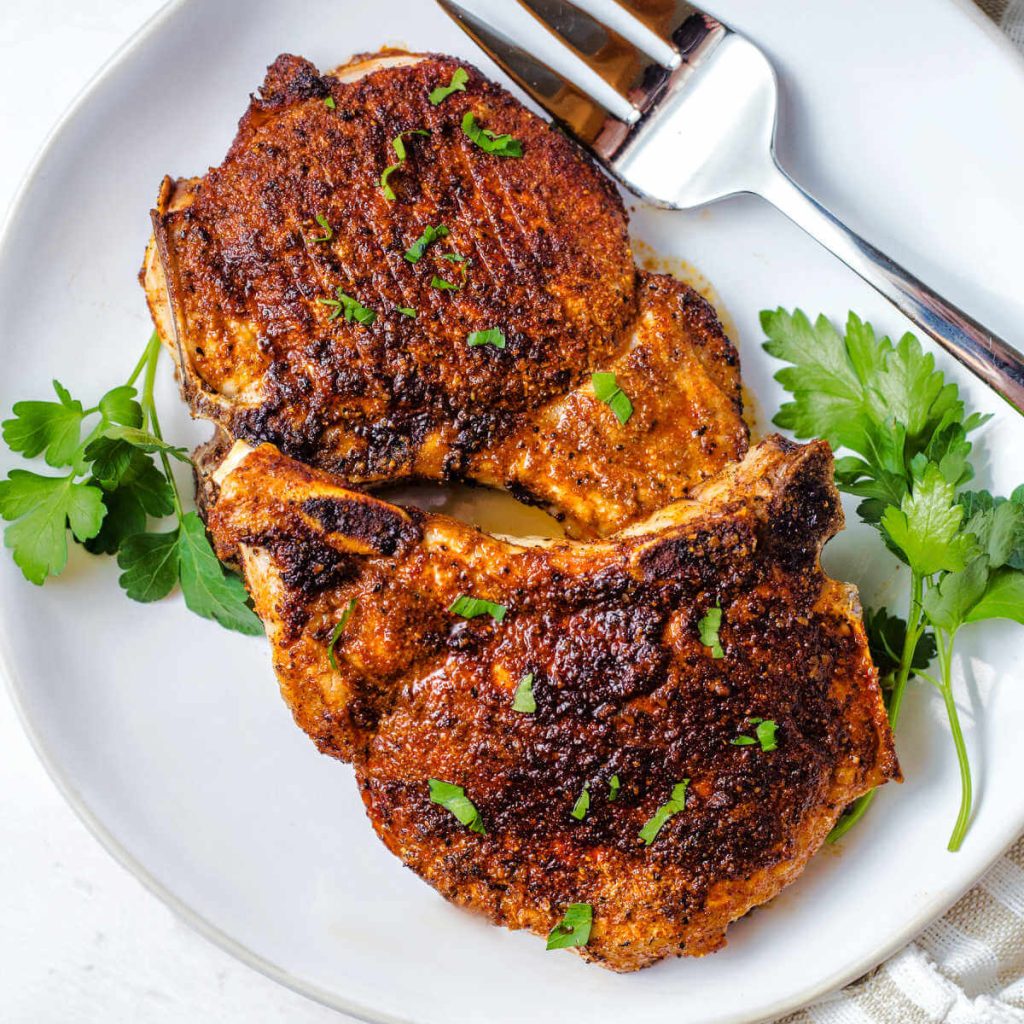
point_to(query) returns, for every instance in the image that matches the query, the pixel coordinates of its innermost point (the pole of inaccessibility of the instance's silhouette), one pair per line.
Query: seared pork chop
(755, 734)
(243, 280)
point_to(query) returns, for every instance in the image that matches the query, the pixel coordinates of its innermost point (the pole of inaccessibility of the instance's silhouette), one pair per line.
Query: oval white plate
(167, 734)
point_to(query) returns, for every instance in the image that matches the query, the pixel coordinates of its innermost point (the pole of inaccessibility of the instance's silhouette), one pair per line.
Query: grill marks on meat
(622, 682)
(233, 280)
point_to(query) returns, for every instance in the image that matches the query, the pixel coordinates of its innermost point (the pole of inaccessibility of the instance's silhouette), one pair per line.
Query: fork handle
(984, 353)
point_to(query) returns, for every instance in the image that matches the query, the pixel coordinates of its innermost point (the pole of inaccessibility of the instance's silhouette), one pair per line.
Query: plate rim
(196, 920)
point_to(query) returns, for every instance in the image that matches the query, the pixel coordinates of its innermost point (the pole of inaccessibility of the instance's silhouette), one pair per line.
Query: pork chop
(668, 772)
(246, 264)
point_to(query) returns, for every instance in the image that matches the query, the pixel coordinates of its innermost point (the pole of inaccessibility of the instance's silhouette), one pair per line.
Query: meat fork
(690, 118)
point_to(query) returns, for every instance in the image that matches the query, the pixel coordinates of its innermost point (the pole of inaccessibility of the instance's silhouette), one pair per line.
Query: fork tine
(624, 66)
(566, 102)
(676, 21)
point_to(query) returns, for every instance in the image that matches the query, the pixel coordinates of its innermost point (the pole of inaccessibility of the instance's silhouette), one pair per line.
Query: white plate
(167, 734)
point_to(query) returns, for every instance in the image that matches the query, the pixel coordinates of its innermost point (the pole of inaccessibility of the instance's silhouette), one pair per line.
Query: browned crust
(622, 681)
(551, 262)
(233, 275)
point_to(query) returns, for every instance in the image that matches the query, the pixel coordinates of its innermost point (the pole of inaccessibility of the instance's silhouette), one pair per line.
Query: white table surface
(80, 939)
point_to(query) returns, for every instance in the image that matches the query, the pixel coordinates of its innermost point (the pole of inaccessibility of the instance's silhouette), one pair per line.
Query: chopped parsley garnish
(499, 145)
(338, 630)
(406, 311)
(524, 700)
(328, 232)
(582, 805)
(352, 308)
(398, 144)
(764, 731)
(614, 785)
(445, 286)
(574, 928)
(453, 798)
(430, 235)
(471, 607)
(766, 734)
(708, 627)
(675, 803)
(494, 337)
(458, 84)
(329, 103)
(607, 390)
(453, 257)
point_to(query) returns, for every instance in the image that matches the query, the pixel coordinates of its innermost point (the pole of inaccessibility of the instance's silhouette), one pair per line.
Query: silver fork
(692, 120)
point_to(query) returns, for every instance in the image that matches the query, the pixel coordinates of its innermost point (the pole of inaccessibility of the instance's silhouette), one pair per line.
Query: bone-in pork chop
(280, 282)
(662, 726)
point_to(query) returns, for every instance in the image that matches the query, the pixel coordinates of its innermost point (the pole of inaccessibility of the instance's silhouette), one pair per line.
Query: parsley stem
(945, 654)
(147, 355)
(915, 627)
(151, 358)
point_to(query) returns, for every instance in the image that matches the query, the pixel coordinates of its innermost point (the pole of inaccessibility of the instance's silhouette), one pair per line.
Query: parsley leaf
(139, 492)
(843, 387)
(998, 525)
(765, 733)
(675, 803)
(948, 603)
(339, 628)
(150, 565)
(352, 308)
(887, 635)
(471, 607)
(120, 405)
(582, 805)
(209, 590)
(926, 526)
(614, 785)
(442, 285)
(574, 928)
(430, 235)
(708, 628)
(885, 402)
(499, 145)
(398, 144)
(328, 230)
(458, 84)
(495, 336)
(41, 509)
(144, 440)
(607, 390)
(524, 701)
(52, 428)
(1003, 598)
(406, 311)
(453, 798)
(329, 103)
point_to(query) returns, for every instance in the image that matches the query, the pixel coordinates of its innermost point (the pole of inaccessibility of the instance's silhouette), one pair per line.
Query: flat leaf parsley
(905, 434)
(114, 480)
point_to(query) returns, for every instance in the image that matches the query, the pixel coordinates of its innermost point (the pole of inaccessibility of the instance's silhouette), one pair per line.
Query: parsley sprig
(907, 433)
(114, 481)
